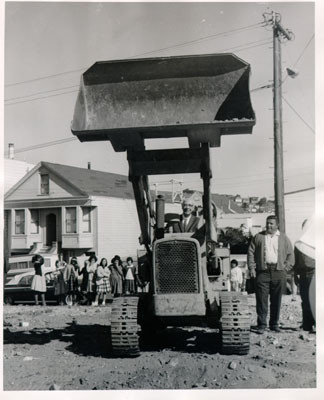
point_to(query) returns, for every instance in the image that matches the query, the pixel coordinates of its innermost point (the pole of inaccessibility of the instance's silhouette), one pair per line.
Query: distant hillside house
(74, 211)
(194, 195)
(224, 203)
(238, 200)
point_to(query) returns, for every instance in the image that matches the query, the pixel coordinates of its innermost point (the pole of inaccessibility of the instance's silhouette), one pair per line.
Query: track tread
(235, 322)
(124, 327)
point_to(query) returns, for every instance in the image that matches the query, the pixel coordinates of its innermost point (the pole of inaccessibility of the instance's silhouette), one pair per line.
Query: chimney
(89, 165)
(11, 151)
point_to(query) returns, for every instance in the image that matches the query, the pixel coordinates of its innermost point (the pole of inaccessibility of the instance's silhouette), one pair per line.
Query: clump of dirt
(67, 348)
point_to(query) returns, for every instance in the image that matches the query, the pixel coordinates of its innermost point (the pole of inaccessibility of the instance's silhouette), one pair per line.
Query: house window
(44, 184)
(86, 219)
(19, 222)
(34, 218)
(70, 219)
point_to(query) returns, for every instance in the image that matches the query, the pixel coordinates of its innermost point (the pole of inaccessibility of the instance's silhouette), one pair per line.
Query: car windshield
(26, 280)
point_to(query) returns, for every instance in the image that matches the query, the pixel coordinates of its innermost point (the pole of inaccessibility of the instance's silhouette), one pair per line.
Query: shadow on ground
(178, 339)
(94, 340)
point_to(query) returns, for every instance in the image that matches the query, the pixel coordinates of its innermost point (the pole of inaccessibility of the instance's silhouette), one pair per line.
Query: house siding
(298, 206)
(118, 227)
(30, 189)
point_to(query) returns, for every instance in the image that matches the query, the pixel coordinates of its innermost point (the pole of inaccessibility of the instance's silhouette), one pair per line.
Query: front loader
(202, 98)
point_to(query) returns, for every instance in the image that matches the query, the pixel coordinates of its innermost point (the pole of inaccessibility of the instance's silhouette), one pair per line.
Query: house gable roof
(224, 203)
(21, 181)
(92, 182)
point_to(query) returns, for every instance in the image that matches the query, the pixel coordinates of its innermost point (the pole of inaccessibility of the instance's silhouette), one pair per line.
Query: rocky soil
(67, 348)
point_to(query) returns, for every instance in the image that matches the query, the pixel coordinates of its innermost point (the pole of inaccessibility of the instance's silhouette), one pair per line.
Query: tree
(236, 239)
(263, 202)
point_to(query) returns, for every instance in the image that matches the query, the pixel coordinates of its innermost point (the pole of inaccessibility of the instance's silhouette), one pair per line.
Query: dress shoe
(275, 329)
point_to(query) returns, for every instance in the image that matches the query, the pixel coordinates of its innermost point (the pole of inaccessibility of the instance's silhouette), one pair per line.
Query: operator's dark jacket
(191, 227)
(256, 253)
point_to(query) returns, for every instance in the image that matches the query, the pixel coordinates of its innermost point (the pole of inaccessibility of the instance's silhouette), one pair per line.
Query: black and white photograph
(159, 219)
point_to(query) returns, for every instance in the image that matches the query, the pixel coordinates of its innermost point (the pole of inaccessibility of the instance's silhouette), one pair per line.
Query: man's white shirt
(271, 247)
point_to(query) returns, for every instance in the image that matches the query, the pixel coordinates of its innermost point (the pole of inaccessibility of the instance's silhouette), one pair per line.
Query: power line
(40, 98)
(262, 87)
(302, 53)
(226, 33)
(250, 45)
(44, 77)
(261, 42)
(300, 56)
(300, 190)
(229, 181)
(41, 145)
(44, 92)
(296, 112)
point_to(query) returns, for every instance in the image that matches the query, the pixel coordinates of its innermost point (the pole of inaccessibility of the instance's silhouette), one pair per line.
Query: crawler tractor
(201, 98)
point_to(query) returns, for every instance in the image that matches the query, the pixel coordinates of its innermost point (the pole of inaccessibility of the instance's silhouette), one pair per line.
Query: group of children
(92, 283)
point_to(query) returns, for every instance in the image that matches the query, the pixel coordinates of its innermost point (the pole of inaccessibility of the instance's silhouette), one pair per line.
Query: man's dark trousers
(305, 281)
(269, 282)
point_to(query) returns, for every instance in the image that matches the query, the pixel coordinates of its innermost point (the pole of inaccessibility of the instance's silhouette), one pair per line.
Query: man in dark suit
(188, 222)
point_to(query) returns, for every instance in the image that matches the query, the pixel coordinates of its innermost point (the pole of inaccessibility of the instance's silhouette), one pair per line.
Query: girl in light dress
(102, 282)
(129, 272)
(38, 284)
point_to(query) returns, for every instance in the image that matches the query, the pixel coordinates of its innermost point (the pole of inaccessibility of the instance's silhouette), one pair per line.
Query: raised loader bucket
(200, 97)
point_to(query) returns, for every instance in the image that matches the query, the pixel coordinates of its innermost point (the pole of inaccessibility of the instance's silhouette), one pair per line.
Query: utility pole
(279, 34)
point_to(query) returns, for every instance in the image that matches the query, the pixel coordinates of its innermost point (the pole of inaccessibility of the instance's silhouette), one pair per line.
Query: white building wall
(118, 228)
(254, 221)
(298, 207)
(14, 170)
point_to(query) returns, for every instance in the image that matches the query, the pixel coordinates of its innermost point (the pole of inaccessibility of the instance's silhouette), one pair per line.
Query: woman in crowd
(116, 276)
(129, 273)
(88, 284)
(59, 284)
(102, 282)
(38, 284)
(71, 274)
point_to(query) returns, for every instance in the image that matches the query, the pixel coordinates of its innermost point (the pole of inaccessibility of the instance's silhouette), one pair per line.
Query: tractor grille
(176, 267)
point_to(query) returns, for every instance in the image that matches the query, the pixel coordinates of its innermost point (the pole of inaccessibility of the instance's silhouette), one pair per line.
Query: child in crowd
(71, 274)
(116, 277)
(88, 273)
(102, 282)
(59, 284)
(236, 277)
(129, 273)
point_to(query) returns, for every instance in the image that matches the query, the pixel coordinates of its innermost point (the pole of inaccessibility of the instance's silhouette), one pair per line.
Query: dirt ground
(67, 348)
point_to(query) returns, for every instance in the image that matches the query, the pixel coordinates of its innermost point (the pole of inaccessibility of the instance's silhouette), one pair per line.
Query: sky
(49, 45)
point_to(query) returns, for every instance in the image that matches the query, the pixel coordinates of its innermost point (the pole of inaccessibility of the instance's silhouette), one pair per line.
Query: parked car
(17, 289)
(18, 264)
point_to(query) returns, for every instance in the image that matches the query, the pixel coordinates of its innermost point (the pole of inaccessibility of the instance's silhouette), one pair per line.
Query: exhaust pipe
(160, 216)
